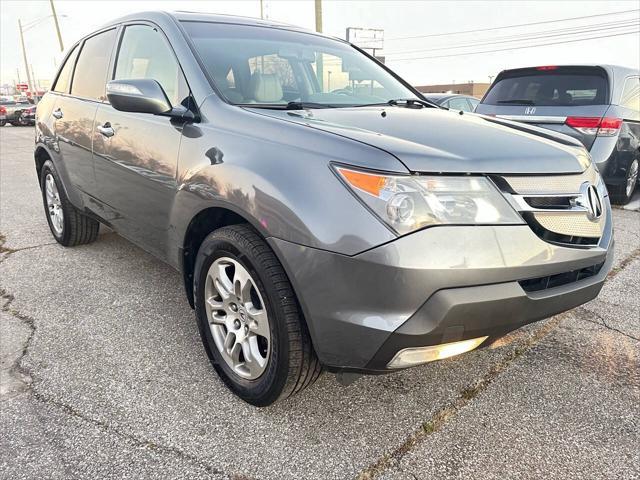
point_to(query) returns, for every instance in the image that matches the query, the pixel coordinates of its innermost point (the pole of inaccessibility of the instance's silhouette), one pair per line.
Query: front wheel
(249, 318)
(623, 193)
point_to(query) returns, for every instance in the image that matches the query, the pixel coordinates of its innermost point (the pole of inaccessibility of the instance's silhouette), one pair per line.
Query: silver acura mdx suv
(322, 213)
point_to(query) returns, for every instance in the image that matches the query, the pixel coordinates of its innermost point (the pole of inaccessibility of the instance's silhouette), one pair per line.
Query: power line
(533, 36)
(635, 32)
(514, 26)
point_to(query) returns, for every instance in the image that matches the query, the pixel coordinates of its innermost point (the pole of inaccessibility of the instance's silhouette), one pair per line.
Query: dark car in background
(28, 116)
(596, 104)
(454, 101)
(17, 112)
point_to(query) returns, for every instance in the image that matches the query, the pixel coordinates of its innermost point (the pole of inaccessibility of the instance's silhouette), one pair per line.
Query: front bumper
(438, 285)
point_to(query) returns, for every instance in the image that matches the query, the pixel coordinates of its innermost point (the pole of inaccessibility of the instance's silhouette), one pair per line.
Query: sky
(430, 25)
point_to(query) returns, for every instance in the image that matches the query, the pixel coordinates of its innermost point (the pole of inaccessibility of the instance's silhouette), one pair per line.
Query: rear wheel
(249, 319)
(3, 123)
(622, 194)
(68, 225)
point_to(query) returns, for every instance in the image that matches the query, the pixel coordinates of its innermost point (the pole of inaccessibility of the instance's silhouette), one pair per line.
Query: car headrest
(265, 87)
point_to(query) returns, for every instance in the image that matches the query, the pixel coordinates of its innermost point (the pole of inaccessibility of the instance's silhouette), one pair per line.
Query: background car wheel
(68, 225)
(622, 194)
(249, 319)
(3, 123)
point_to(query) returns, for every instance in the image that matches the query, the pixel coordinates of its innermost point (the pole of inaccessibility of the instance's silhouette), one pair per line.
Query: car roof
(158, 16)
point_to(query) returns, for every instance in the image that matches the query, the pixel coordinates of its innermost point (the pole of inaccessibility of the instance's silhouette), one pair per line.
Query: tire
(3, 123)
(73, 228)
(622, 194)
(291, 362)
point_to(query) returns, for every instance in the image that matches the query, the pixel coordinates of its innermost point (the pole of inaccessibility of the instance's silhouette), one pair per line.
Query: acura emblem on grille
(530, 110)
(590, 200)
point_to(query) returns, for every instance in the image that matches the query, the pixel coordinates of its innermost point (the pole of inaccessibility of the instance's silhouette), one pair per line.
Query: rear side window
(144, 53)
(64, 78)
(561, 87)
(89, 79)
(631, 94)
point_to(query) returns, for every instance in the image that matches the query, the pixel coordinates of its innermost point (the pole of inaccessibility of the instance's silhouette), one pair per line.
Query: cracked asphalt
(103, 376)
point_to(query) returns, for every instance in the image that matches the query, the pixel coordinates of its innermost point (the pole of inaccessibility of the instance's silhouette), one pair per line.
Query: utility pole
(320, 70)
(24, 55)
(261, 9)
(55, 20)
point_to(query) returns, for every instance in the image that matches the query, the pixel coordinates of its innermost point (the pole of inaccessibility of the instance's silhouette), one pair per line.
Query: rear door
(547, 96)
(75, 113)
(136, 154)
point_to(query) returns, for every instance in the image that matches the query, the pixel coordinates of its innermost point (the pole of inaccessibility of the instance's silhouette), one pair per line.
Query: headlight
(411, 202)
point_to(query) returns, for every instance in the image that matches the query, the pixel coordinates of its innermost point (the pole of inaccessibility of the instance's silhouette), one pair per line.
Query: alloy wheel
(237, 317)
(54, 205)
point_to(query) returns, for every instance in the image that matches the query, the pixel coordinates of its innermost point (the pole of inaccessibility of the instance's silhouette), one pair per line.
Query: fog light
(417, 355)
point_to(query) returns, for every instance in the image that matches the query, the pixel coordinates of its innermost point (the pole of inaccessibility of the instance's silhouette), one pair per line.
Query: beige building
(472, 88)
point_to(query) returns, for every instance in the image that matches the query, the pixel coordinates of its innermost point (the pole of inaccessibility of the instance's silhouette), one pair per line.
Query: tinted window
(90, 76)
(274, 66)
(631, 94)
(549, 89)
(459, 103)
(64, 78)
(144, 53)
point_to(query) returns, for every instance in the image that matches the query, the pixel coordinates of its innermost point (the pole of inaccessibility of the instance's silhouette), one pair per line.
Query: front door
(136, 154)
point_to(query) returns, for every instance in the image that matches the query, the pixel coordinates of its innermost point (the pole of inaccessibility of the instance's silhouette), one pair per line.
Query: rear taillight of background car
(602, 127)
(3, 111)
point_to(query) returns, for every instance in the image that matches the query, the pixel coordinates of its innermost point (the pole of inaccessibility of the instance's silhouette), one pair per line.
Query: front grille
(557, 184)
(553, 206)
(552, 203)
(559, 279)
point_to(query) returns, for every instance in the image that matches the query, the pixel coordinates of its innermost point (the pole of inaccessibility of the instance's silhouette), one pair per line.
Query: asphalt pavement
(103, 376)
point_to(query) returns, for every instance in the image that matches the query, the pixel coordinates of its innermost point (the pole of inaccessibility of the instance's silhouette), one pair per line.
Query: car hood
(436, 140)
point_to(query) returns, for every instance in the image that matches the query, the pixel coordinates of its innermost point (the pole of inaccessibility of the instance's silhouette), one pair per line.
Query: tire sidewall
(47, 168)
(264, 389)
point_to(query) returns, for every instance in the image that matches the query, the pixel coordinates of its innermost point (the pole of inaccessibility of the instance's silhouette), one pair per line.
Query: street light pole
(24, 55)
(55, 20)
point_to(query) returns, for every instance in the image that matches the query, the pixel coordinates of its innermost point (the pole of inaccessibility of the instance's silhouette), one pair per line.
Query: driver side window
(144, 53)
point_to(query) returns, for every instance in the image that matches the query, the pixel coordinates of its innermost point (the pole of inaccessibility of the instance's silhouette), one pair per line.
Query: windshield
(268, 66)
(561, 87)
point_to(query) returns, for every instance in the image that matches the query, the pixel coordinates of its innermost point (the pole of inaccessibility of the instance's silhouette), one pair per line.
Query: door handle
(57, 113)
(106, 130)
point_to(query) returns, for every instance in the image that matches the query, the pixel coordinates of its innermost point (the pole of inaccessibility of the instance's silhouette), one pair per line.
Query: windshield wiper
(410, 102)
(286, 106)
(518, 101)
(403, 102)
(302, 105)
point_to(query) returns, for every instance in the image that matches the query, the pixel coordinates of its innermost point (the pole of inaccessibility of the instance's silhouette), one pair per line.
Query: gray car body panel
(434, 140)
(356, 281)
(369, 296)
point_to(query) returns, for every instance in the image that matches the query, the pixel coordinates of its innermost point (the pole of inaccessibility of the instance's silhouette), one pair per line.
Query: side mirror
(143, 95)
